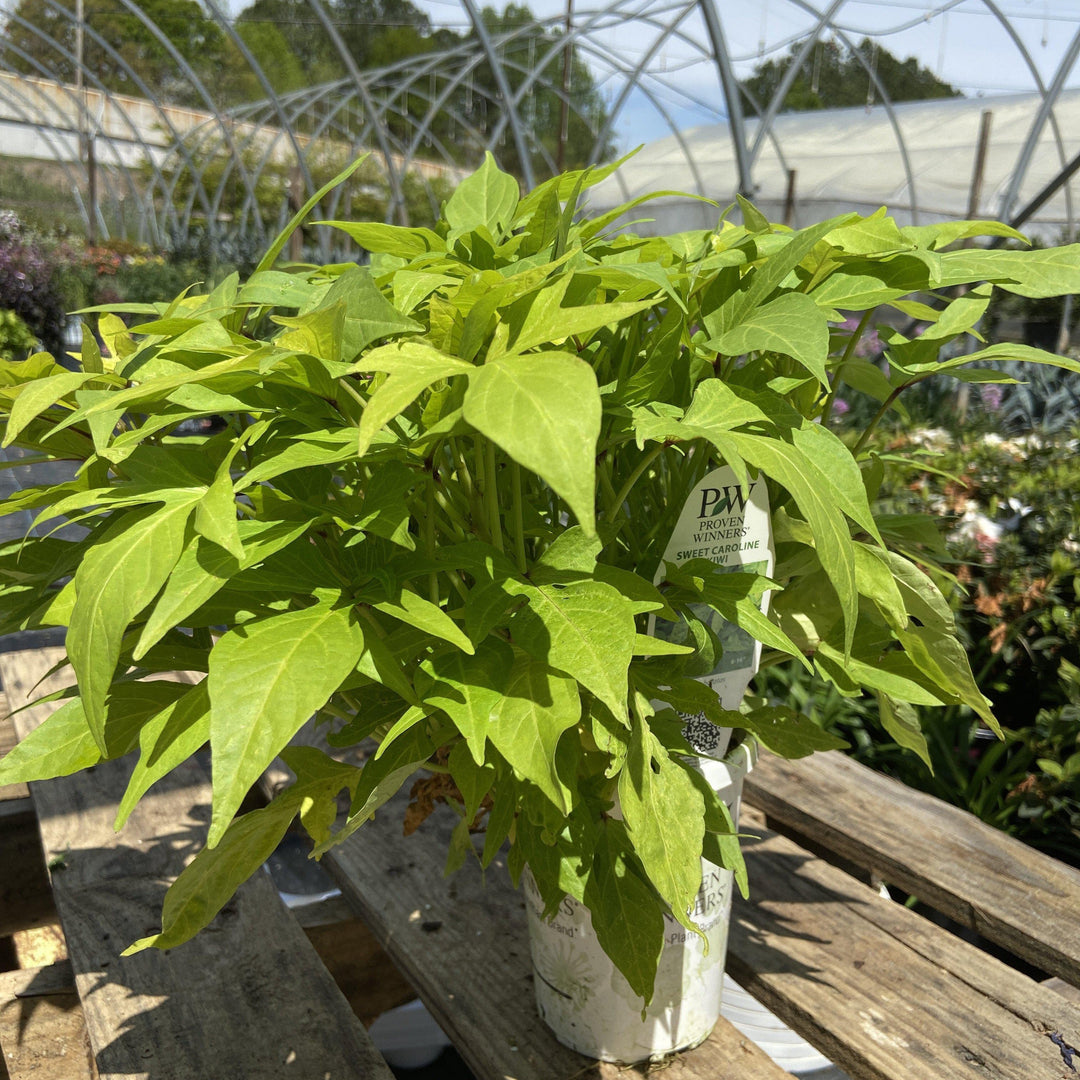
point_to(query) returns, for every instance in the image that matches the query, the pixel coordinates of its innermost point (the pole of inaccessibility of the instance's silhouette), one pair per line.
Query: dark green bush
(1011, 523)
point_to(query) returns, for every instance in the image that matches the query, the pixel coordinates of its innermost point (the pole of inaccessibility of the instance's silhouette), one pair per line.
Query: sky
(961, 41)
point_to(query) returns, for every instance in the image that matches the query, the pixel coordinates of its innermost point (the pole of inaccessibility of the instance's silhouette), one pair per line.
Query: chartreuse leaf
(380, 780)
(63, 743)
(412, 367)
(791, 324)
(901, 721)
(412, 609)
(1040, 272)
(876, 581)
(547, 321)
(570, 555)
(468, 688)
(166, 741)
(585, 629)
(215, 515)
(787, 732)
(799, 474)
(623, 910)
(380, 665)
(376, 236)
(543, 409)
(473, 779)
(720, 845)
(38, 396)
(206, 567)
(655, 792)
(114, 582)
(59, 746)
(538, 705)
(369, 316)
(943, 659)
(317, 333)
(320, 447)
(281, 239)
(385, 511)
(1011, 351)
(266, 678)
(488, 198)
(132, 704)
(212, 877)
(943, 233)
(275, 288)
(319, 778)
(895, 674)
(737, 597)
(922, 598)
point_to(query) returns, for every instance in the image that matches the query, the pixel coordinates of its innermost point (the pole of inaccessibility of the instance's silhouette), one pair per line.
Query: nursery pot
(590, 1006)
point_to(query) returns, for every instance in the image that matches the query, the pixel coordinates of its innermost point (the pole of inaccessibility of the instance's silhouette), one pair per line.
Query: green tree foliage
(834, 77)
(198, 39)
(374, 32)
(294, 49)
(527, 47)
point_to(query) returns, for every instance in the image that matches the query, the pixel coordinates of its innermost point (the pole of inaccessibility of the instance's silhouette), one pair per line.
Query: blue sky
(960, 40)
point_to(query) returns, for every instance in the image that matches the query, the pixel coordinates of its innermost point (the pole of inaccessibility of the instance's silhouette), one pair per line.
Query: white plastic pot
(586, 1002)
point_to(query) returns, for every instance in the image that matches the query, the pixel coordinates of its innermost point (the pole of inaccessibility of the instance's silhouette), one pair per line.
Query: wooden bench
(881, 990)
(248, 998)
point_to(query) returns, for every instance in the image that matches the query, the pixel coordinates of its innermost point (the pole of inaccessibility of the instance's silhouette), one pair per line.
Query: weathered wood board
(248, 997)
(883, 992)
(1010, 893)
(462, 941)
(42, 1033)
(14, 798)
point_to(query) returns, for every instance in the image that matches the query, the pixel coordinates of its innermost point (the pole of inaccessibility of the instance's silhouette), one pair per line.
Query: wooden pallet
(247, 998)
(882, 991)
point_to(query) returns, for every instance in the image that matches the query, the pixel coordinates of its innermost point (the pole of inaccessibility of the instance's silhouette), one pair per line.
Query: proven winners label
(732, 527)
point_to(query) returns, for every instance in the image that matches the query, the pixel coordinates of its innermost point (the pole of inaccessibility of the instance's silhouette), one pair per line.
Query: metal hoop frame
(237, 153)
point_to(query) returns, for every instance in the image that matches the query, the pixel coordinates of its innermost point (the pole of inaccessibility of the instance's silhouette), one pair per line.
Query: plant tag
(733, 529)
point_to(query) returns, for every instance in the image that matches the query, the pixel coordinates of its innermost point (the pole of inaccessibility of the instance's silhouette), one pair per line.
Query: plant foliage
(437, 510)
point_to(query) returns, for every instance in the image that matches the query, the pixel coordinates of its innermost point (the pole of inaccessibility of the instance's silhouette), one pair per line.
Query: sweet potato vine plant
(436, 511)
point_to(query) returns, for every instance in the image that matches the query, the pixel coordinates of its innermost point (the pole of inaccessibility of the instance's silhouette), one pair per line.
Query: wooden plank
(985, 880)
(25, 894)
(10, 793)
(881, 991)
(42, 1033)
(363, 972)
(462, 942)
(247, 997)
(1060, 986)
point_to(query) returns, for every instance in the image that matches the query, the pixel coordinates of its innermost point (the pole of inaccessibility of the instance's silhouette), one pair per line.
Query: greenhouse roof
(917, 158)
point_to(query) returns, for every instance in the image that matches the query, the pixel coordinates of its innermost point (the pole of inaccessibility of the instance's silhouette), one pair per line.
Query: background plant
(16, 340)
(1010, 540)
(29, 284)
(436, 514)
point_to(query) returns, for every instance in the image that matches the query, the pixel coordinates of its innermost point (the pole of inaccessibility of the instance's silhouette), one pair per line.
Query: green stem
(519, 517)
(632, 479)
(491, 496)
(886, 405)
(429, 540)
(339, 714)
(853, 341)
(353, 393)
(457, 522)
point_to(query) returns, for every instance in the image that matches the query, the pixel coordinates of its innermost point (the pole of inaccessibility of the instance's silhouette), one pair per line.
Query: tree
(375, 33)
(523, 46)
(198, 39)
(834, 77)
